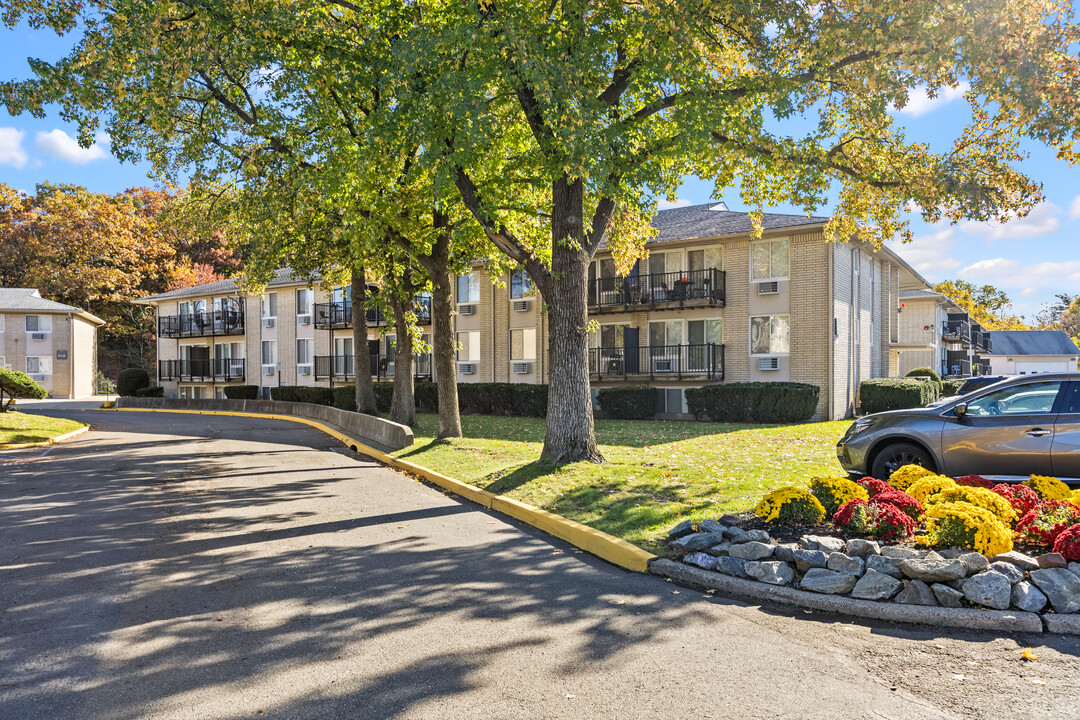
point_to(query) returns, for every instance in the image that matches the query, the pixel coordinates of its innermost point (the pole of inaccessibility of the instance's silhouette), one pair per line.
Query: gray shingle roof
(282, 276)
(23, 300)
(700, 221)
(1032, 342)
(919, 294)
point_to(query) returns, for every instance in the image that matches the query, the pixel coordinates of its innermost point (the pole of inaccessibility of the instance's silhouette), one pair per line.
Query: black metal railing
(342, 367)
(338, 316)
(956, 364)
(202, 324)
(663, 361)
(212, 369)
(698, 287)
(956, 331)
(982, 342)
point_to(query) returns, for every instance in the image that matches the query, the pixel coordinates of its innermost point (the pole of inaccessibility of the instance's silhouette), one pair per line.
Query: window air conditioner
(467, 368)
(39, 377)
(37, 336)
(521, 306)
(770, 363)
(466, 310)
(663, 365)
(522, 368)
(269, 322)
(768, 288)
(268, 369)
(303, 369)
(236, 369)
(303, 319)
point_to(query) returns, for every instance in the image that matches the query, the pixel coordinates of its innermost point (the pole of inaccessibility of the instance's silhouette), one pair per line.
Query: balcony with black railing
(202, 369)
(665, 361)
(343, 367)
(689, 288)
(957, 364)
(338, 316)
(956, 331)
(202, 324)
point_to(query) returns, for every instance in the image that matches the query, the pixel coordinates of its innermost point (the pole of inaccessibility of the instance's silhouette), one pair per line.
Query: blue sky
(1031, 258)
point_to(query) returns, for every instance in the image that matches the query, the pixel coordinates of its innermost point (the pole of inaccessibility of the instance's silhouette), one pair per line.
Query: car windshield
(1032, 398)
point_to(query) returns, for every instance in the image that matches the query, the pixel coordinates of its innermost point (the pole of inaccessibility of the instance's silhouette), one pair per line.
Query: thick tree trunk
(403, 405)
(443, 345)
(570, 433)
(365, 390)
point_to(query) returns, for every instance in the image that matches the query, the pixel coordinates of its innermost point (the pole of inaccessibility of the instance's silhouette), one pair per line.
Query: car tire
(892, 457)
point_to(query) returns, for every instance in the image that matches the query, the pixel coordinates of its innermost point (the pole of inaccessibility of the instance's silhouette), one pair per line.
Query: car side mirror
(960, 410)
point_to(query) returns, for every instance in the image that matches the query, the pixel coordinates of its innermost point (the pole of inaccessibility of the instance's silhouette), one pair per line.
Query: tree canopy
(986, 304)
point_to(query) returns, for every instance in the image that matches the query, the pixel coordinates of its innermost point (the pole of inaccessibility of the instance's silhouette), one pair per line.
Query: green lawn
(656, 472)
(18, 428)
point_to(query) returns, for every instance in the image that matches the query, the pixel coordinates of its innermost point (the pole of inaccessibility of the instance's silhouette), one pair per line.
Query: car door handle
(1037, 432)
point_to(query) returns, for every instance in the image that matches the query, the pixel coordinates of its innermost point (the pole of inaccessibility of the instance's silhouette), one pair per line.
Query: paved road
(178, 566)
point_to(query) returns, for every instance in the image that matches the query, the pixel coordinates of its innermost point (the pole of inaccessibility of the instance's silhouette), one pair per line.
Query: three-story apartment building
(937, 333)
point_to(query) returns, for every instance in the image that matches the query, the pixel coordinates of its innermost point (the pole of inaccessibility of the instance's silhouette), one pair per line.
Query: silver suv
(1025, 425)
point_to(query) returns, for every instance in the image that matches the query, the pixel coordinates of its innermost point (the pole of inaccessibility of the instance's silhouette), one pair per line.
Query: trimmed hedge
(951, 387)
(932, 377)
(150, 392)
(15, 384)
(628, 403)
(883, 394)
(754, 402)
(345, 397)
(303, 394)
(518, 399)
(242, 392)
(130, 381)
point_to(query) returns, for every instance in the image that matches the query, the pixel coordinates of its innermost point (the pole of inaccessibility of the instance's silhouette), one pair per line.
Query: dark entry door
(630, 348)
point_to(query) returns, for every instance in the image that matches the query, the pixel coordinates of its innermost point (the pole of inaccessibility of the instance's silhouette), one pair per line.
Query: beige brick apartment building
(55, 344)
(708, 304)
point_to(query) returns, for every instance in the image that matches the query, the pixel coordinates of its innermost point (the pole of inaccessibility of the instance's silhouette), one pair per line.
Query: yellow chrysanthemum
(790, 505)
(906, 475)
(929, 485)
(1049, 488)
(832, 492)
(961, 524)
(979, 497)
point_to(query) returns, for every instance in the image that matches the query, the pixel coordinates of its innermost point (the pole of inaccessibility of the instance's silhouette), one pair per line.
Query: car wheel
(893, 457)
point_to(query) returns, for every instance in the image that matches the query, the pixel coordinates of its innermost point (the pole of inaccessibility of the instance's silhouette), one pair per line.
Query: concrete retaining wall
(366, 428)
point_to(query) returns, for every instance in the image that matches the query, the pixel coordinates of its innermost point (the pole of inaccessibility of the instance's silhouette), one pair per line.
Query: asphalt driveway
(182, 566)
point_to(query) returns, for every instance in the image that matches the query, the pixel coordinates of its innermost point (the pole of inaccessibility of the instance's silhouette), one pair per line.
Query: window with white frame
(303, 301)
(303, 351)
(468, 346)
(269, 305)
(669, 262)
(665, 333)
(521, 285)
(38, 323)
(3, 362)
(770, 335)
(343, 346)
(523, 344)
(468, 288)
(669, 401)
(705, 332)
(611, 336)
(38, 365)
(711, 258)
(269, 352)
(769, 260)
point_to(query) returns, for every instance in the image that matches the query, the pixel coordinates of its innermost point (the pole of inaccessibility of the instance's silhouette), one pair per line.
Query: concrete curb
(607, 547)
(1063, 624)
(50, 441)
(998, 620)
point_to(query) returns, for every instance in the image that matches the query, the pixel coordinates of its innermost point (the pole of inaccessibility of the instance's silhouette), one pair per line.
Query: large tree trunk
(403, 405)
(443, 345)
(365, 390)
(570, 433)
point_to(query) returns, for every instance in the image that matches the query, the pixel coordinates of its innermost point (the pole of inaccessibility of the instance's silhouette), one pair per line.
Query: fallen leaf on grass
(570, 696)
(1028, 655)
(958, 677)
(1038, 681)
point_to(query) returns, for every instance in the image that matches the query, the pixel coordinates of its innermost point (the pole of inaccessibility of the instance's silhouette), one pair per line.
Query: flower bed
(921, 539)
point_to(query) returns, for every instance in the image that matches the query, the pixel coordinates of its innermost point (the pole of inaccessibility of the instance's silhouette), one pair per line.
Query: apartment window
(469, 346)
(38, 323)
(3, 363)
(303, 301)
(185, 308)
(705, 259)
(660, 263)
(269, 305)
(269, 352)
(303, 351)
(192, 393)
(341, 294)
(468, 288)
(769, 260)
(343, 346)
(611, 336)
(770, 335)
(669, 401)
(705, 332)
(665, 333)
(391, 347)
(38, 365)
(523, 344)
(521, 285)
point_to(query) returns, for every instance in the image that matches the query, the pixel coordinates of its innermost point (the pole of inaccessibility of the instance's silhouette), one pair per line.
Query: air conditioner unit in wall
(662, 365)
(522, 368)
(768, 363)
(466, 310)
(268, 369)
(303, 369)
(772, 287)
(269, 322)
(521, 305)
(37, 337)
(38, 377)
(467, 368)
(303, 319)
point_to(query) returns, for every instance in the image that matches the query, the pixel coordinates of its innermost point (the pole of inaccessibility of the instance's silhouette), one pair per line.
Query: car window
(1030, 399)
(1072, 401)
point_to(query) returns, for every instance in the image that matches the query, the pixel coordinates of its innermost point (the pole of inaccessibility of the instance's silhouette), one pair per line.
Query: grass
(655, 474)
(17, 428)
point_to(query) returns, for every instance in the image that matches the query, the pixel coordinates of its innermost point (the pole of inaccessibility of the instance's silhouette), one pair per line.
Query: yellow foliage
(833, 492)
(1049, 488)
(790, 505)
(929, 485)
(903, 477)
(979, 497)
(961, 524)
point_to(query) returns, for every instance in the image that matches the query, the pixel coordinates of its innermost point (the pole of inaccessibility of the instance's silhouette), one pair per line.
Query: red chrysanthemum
(1068, 542)
(852, 517)
(873, 486)
(890, 523)
(1022, 498)
(975, 481)
(901, 501)
(1046, 522)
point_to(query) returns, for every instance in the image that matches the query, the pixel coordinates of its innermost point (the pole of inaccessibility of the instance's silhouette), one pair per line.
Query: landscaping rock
(1051, 560)
(973, 562)
(947, 596)
(916, 592)
(751, 551)
(857, 547)
(785, 552)
(718, 550)
(773, 572)
(951, 553)
(821, 542)
(957, 584)
(1027, 597)
(932, 555)
(884, 565)
(1009, 570)
(876, 586)
(845, 563)
(1019, 559)
(686, 527)
(1074, 568)
(989, 588)
(933, 569)
(697, 541)
(712, 526)
(900, 553)
(807, 559)
(1061, 587)
(731, 566)
(759, 536)
(829, 582)
(701, 560)
(729, 519)
(737, 535)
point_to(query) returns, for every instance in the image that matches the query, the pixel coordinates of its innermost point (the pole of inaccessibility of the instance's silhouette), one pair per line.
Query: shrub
(15, 384)
(303, 394)
(345, 397)
(975, 481)
(931, 377)
(150, 392)
(242, 392)
(517, 399)
(889, 523)
(1068, 542)
(873, 486)
(963, 525)
(426, 394)
(1044, 523)
(754, 402)
(835, 491)
(790, 506)
(853, 517)
(901, 501)
(923, 488)
(1049, 488)
(628, 403)
(882, 394)
(1021, 497)
(950, 388)
(906, 475)
(979, 497)
(130, 381)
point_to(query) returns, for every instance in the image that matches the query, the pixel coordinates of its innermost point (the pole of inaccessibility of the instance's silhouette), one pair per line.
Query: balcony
(202, 324)
(981, 341)
(664, 361)
(202, 369)
(338, 316)
(956, 331)
(691, 288)
(957, 364)
(342, 367)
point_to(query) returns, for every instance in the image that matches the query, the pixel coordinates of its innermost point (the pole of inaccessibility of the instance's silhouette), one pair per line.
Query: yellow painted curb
(50, 441)
(599, 543)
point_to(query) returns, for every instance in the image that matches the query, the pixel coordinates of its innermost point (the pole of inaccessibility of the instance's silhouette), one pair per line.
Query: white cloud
(1013, 273)
(59, 145)
(1040, 221)
(1074, 208)
(919, 101)
(11, 149)
(929, 254)
(664, 204)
